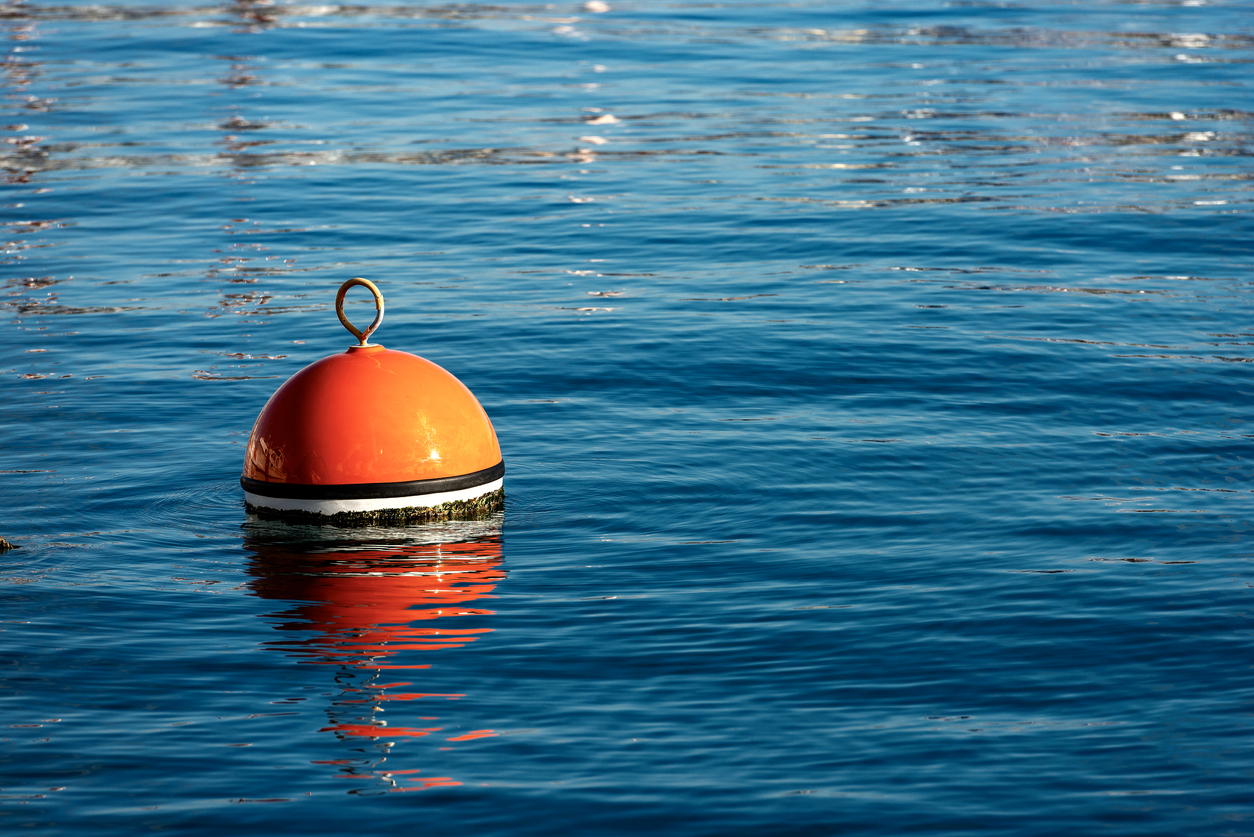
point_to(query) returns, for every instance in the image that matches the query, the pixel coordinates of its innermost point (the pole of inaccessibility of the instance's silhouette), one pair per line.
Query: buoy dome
(370, 415)
(373, 433)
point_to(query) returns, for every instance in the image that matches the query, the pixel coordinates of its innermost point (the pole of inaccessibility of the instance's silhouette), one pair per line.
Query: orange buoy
(372, 435)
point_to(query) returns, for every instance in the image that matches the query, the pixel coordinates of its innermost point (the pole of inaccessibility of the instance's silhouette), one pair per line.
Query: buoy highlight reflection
(380, 606)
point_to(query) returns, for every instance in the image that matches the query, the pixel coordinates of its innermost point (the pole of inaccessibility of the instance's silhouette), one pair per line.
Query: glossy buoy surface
(371, 434)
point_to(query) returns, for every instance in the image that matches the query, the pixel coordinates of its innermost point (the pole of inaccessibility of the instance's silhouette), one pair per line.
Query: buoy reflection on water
(369, 609)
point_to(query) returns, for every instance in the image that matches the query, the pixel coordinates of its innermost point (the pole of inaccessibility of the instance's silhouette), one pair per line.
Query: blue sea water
(871, 379)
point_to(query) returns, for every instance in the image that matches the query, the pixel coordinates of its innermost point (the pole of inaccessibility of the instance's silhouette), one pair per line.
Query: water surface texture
(872, 378)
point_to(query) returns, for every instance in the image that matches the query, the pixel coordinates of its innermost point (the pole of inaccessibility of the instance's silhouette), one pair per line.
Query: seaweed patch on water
(477, 507)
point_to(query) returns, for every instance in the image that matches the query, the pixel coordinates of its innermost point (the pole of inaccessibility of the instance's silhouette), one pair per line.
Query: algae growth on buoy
(372, 435)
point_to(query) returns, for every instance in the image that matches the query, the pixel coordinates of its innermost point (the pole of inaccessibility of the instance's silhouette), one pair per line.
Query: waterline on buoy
(418, 501)
(477, 506)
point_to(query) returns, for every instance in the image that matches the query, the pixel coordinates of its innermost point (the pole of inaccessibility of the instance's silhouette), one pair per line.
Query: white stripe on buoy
(417, 501)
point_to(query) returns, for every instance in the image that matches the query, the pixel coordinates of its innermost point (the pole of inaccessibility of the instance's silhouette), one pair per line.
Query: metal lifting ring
(362, 336)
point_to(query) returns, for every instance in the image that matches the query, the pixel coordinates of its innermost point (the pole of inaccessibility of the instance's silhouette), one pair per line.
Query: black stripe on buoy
(372, 490)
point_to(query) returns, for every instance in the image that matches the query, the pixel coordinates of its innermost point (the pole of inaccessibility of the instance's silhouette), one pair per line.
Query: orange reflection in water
(373, 608)
(367, 605)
